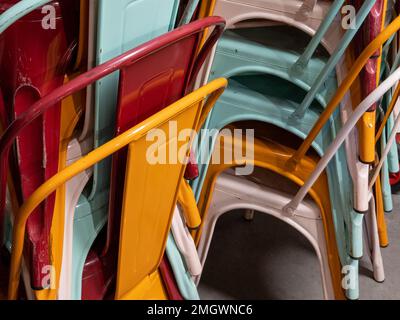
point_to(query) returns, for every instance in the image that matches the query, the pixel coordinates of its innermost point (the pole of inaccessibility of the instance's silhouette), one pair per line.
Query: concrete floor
(267, 259)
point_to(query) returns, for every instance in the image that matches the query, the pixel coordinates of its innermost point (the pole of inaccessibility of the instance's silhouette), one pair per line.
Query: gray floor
(267, 259)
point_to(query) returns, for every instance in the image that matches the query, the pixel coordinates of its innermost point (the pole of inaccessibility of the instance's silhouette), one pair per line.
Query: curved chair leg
(74, 189)
(356, 247)
(375, 250)
(185, 244)
(380, 213)
(183, 278)
(266, 200)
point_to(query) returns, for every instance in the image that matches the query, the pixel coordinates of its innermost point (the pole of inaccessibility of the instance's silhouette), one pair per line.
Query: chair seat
(286, 11)
(272, 51)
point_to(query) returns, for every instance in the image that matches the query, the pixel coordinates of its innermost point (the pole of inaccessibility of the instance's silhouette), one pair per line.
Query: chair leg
(380, 214)
(249, 215)
(353, 291)
(356, 235)
(377, 262)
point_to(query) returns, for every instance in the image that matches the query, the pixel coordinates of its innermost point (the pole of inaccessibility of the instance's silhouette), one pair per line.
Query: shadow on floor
(267, 259)
(262, 259)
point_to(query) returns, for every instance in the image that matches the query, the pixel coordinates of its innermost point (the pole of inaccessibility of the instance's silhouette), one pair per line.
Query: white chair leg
(377, 261)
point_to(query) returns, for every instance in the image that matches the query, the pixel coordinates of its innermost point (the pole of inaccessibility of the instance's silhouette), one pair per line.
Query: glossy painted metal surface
(206, 8)
(304, 59)
(334, 59)
(122, 62)
(272, 100)
(187, 112)
(271, 155)
(189, 11)
(169, 280)
(237, 11)
(18, 10)
(33, 66)
(165, 76)
(121, 26)
(363, 107)
(345, 86)
(371, 28)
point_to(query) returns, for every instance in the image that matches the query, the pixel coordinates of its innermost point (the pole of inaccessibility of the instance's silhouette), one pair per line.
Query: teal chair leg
(386, 189)
(90, 218)
(356, 248)
(333, 60)
(351, 280)
(302, 62)
(393, 156)
(183, 278)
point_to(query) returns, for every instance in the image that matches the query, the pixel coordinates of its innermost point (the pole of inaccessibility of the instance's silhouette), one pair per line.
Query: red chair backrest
(165, 76)
(31, 66)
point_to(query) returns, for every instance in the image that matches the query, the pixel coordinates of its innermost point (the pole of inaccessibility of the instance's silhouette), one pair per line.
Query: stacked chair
(85, 215)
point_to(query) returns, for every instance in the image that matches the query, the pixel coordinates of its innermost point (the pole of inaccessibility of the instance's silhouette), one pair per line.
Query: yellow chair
(71, 112)
(206, 9)
(147, 211)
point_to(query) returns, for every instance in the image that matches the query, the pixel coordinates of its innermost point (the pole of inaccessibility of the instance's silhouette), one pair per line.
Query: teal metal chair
(316, 77)
(238, 56)
(188, 12)
(264, 98)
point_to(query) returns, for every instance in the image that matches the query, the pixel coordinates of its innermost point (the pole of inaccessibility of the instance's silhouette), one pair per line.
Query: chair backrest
(165, 76)
(121, 26)
(33, 66)
(134, 66)
(3, 113)
(317, 39)
(304, 59)
(145, 218)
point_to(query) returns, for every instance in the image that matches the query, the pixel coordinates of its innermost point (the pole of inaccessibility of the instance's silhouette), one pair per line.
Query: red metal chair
(152, 76)
(31, 67)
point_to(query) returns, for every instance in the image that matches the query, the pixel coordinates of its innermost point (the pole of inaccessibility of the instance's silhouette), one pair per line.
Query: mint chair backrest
(165, 76)
(122, 25)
